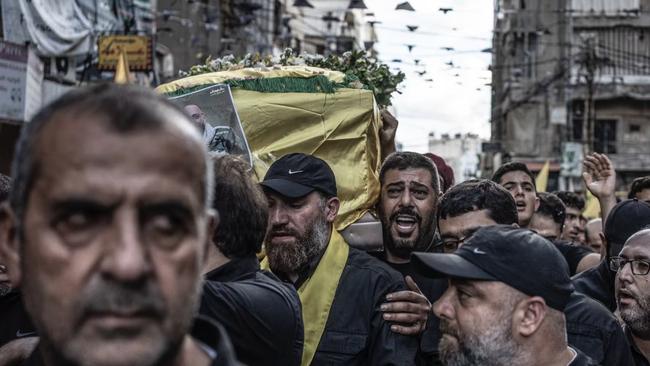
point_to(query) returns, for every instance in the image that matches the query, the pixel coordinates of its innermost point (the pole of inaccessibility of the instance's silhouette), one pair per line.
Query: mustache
(141, 299)
(281, 230)
(407, 211)
(446, 328)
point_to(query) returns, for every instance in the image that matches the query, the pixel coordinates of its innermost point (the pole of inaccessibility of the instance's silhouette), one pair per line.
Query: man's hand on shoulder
(17, 351)
(408, 311)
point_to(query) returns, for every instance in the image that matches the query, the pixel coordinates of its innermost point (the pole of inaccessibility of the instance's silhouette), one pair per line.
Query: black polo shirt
(14, 321)
(582, 360)
(261, 314)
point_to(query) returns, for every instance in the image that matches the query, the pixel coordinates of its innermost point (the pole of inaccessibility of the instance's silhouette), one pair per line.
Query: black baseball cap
(296, 175)
(625, 219)
(517, 257)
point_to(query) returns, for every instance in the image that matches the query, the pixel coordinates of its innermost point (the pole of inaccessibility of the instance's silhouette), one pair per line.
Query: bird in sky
(450, 63)
(412, 28)
(421, 73)
(404, 6)
(445, 10)
(447, 48)
(410, 47)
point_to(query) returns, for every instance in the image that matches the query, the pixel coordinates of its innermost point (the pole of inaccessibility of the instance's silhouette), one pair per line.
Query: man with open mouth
(517, 179)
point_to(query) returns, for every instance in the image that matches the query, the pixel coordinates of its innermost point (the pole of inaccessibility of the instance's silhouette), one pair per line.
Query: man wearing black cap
(471, 205)
(633, 293)
(503, 306)
(341, 289)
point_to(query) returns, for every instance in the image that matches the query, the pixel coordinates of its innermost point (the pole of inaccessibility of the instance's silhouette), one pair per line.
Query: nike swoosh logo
(292, 172)
(478, 251)
(19, 334)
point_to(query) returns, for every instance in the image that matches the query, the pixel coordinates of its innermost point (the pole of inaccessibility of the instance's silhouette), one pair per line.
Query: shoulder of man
(212, 334)
(362, 262)
(596, 283)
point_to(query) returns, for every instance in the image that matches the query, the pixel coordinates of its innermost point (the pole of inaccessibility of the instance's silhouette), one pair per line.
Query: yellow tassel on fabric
(122, 75)
(317, 293)
(541, 181)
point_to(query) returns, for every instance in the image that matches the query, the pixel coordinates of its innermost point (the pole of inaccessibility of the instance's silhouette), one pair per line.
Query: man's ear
(10, 244)
(332, 208)
(528, 316)
(536, 203)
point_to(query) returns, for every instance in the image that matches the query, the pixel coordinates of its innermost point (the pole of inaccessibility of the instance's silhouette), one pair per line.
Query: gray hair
(125, 109)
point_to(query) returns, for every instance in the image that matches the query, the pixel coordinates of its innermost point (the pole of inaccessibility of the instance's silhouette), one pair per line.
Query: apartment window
(635, 128)
(605, 136)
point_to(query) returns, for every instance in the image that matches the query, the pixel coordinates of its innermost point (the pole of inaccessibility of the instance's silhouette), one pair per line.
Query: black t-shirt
(432, 288)
(261, 314)
(639, 358)
(572, 253)
(14, 320)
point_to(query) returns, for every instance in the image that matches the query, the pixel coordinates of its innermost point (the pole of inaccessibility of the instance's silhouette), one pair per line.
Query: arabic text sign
(138, 52)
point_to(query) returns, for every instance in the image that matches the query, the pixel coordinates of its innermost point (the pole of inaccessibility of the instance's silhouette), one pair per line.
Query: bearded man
(503, 306)
(633, 293)
(410, 188)
(341, 289)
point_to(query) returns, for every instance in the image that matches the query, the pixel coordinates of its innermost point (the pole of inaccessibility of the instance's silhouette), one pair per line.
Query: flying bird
(445, 10)
(421, 73)
(450, 63)
(410, 47)
(404, 6)
(396, 60)
(428, 80)
(412, 28)
(417, 62)
(447, 48)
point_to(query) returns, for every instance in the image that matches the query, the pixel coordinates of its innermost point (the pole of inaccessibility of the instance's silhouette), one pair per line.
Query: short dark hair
(124, 109)
(402, 160)
(571, 199)
(638, 185)
(514, 166)
(475, 195)
(552, 206)
(242, 207)
(5, 187)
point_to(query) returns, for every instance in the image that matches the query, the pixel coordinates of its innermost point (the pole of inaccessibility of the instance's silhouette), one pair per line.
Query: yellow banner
(341, 128)
(137, 49)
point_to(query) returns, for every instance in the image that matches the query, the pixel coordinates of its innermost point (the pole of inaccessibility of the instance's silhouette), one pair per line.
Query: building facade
(461, 152)
(572, 72)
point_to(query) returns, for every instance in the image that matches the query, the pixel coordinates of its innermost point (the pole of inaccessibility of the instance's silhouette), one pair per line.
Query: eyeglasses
(451, 244)
(639, 267)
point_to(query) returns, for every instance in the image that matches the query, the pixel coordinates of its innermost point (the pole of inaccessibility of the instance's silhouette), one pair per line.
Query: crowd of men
(124, 242)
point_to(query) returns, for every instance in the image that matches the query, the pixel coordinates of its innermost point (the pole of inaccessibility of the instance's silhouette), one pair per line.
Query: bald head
(198, 117)
(640, 238)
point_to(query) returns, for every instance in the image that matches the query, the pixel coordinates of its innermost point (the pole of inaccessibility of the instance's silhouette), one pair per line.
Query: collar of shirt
(236, 269)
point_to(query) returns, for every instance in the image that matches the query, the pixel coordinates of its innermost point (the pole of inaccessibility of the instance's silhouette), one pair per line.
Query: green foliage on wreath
(361, 71)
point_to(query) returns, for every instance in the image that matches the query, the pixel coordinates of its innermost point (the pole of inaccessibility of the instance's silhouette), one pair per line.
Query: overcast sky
(452, 102)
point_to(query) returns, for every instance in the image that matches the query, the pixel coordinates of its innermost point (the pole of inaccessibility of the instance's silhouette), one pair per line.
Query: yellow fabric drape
(341, 128)
(317, 293)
